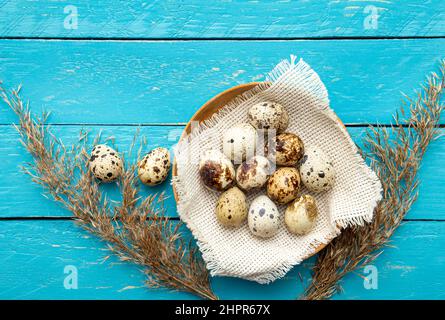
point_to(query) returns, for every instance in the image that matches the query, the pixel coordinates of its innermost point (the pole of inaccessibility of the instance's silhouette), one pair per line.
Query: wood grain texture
(221, 19)
(18, 191)
(118, 82)
(33, 255)
(20, 197)
(113, 85)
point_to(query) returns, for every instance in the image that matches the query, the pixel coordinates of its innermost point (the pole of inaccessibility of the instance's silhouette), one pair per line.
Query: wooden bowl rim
(209, 108)
(212, 105)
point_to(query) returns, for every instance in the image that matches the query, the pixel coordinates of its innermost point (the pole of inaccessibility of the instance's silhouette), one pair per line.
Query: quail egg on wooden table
(253, 173)
(239, 142)
(268, 115)
(263, 217)
(154, 166)
(231, 208)
(301, 214)
(316, 170)
(288, 149)
(216, 170)
(105, 163)
(283, 185)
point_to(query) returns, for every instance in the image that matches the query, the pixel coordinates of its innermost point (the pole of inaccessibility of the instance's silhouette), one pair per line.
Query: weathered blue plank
(20, 197)
(413, 269)
(35, 253)
(17, 190)
(118, 82)
(192, 19)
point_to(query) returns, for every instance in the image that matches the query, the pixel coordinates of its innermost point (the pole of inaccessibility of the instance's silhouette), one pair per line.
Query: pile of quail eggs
(106, 165)
(296, 165)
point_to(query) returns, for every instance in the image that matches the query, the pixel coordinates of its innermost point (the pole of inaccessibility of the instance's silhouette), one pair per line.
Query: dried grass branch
(395, 155)
(135, 229)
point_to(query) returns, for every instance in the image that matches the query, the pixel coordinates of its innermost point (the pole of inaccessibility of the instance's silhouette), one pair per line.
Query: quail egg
(216, 170)
(231, 208)
(316, 170)
(105, 163)
(263, 218)
(154, 166)
(268, 115)
(239, 142)
(253, 173)
(300, 215)
(288, 149)
(284, 122)
(283, 185)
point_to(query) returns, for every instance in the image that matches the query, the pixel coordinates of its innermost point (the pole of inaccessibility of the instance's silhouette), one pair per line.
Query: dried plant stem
(135, 229)
(395, 155)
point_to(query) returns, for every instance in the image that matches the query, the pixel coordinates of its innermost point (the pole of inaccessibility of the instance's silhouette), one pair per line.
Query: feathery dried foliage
(135, 229)
(395, 155)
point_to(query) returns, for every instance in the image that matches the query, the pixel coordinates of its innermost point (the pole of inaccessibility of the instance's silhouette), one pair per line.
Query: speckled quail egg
(283, 185)
(316, 170)
(239, 142)
(288, 149)
(268, 115)
(154, 166)
(253, 173)
(263, 218)
(231, 208)
(300, 215)
(284, 121)
(216, 170)
(105, 163)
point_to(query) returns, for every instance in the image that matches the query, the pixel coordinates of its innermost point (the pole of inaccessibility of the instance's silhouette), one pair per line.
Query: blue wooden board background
(154, 64)
(167, 81)
(222, 19)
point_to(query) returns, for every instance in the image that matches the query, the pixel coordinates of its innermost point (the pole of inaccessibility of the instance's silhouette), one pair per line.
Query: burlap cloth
(236, 252)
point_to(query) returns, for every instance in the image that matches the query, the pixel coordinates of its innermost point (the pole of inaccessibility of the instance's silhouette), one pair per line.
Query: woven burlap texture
(351, 201)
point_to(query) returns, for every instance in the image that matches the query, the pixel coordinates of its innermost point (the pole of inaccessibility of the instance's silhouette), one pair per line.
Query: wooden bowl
(207, 110)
